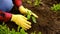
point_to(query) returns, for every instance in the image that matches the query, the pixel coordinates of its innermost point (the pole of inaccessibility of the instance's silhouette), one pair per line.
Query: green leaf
(28, 16)
(22, 31)
(39, 33)
(6, 30)
(33, 19)
(18, 28)
(56, 7)
(29, 2)
(37, 2)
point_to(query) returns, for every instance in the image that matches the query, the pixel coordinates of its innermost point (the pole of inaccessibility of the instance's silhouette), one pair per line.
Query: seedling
(22, 31)
(29, 16)
(37, 2)
(35, 32)
(34, 3)
(39, 33)
(33, 19)
(6, 30)
(56, 7)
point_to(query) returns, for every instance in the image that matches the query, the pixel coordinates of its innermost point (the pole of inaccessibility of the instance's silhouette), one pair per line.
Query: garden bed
(48, 21)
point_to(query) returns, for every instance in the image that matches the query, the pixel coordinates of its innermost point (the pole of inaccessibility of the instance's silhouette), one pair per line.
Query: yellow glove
(21, 21)
(25, 11)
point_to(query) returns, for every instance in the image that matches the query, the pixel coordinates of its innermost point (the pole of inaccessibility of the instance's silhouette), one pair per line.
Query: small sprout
(33, 19)
(35, 32)
(18, 28)
(39, 33)
(56, 7)
(37, 2)
(34, 2)
(22, 31)
(6, 30)
(29, 2)
(28, 14)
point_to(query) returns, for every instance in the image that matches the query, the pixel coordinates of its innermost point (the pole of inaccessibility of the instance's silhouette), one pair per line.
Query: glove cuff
(14, 17)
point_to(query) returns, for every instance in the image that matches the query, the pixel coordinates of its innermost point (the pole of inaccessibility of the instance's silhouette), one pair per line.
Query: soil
(48, 21)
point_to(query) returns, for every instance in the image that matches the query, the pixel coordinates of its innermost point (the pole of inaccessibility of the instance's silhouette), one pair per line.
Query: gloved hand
(25, 11)
(21, 21)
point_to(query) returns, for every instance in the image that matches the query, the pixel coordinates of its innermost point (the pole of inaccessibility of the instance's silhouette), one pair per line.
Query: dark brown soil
(48, 21)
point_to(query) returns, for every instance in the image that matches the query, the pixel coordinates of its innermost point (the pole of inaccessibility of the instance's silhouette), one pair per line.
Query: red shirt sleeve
(5, 16)
(18, 2)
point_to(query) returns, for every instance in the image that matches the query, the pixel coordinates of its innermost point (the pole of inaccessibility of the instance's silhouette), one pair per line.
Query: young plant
(22, 31)
(56, 7)
(6, 30)
(34, 2)
(39, 33)
(37, 2)
(35, 32)
(33, 19)
(29, 2)
(29, 16)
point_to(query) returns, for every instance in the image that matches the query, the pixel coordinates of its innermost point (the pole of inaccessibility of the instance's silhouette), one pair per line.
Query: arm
(18, 19)
(18, 3)
(5, 16)
(22, 9)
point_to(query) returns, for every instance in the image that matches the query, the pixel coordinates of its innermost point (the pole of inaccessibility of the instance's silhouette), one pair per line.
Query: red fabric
(5, 16)
(18, 2)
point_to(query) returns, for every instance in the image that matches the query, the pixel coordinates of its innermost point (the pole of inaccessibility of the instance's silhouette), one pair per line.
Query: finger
(27, 22)
(24, 24)
(35, 15)
(27, 26)
(21, 23)
(24, 17)
(24, 28)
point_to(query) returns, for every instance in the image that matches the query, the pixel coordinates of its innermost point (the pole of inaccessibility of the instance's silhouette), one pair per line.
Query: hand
(25, 11)
(21, 21)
